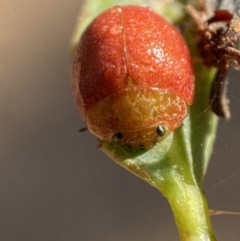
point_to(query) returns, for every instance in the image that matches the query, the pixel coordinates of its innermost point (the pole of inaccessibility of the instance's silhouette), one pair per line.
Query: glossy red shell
(135, 42)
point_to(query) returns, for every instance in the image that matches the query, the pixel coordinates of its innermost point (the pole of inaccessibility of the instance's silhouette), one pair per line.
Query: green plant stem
(191, 213)
(179, 185)
(189, 206)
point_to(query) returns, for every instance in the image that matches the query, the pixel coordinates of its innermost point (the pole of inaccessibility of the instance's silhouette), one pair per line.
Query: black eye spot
(118, 137)
(161, 130)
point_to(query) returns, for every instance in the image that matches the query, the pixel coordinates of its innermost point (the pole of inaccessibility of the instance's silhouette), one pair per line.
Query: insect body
(132, 76)
(218, 46)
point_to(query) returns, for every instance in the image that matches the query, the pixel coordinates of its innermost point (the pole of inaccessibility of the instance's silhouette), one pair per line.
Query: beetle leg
(83, 129)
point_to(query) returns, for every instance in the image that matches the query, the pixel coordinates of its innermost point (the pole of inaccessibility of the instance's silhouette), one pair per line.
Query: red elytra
(132, 73)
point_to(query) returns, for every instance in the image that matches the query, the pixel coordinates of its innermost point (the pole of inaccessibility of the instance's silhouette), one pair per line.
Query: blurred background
(55, 185)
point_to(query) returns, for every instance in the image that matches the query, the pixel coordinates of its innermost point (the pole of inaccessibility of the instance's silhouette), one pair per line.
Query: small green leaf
(203, 121)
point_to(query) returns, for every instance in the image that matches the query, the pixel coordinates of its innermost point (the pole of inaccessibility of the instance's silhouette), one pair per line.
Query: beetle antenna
(83, 129)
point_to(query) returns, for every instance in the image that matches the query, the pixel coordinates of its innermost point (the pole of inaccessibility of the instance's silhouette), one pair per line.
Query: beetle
(132, 76)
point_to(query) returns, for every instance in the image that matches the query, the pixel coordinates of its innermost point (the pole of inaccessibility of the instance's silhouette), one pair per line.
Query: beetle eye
(161, 130)
(118, 137)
